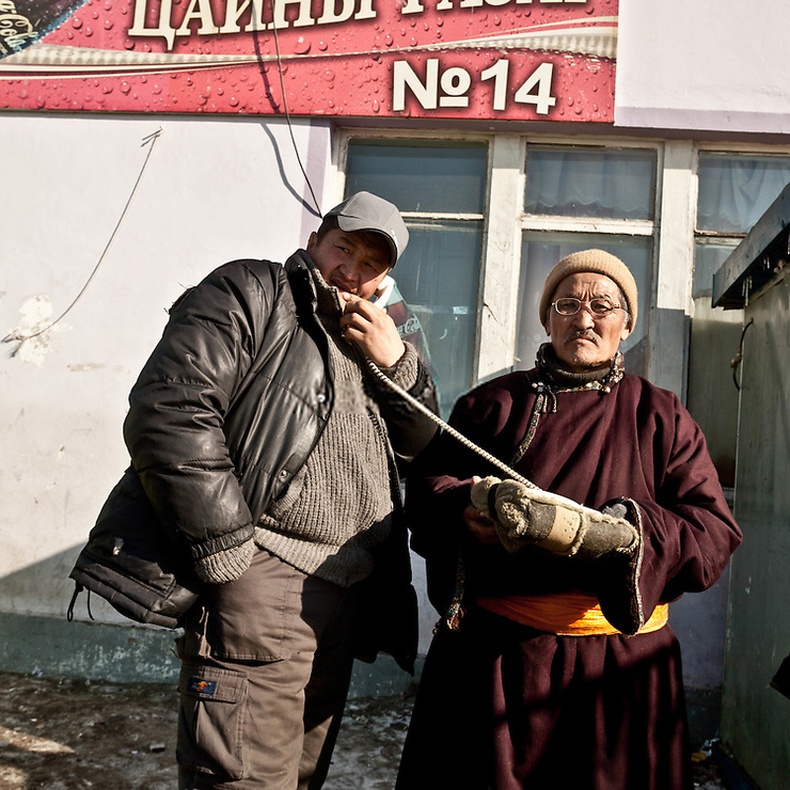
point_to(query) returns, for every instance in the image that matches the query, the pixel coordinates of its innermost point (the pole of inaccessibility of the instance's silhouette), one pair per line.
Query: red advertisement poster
(530, 60)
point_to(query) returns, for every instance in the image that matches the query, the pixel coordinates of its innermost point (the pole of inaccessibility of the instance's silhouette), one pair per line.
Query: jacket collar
(324, 298)
(297, 269)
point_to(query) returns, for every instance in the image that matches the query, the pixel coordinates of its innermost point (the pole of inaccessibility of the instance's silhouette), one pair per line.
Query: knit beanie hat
(598, 262)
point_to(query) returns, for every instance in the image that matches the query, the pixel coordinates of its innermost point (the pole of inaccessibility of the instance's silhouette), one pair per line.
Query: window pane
(709, 255)
(712, 396)
(438, 278)
(599, 183)
(539, 253)
(437, 176)
(438, 275)
(734, 191)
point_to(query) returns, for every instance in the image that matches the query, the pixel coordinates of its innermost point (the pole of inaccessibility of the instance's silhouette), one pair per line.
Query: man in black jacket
(268, 448)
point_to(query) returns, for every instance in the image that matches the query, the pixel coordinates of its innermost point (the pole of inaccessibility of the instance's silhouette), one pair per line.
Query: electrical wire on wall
(21, 339)
(287, 114)
(738, 358)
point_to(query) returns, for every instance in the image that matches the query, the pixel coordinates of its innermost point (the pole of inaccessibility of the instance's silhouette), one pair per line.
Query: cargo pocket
(212, 716)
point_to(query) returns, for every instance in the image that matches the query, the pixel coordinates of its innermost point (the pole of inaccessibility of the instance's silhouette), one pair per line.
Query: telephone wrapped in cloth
(526, 516)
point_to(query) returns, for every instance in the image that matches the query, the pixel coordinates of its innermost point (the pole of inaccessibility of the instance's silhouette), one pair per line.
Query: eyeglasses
(599, 307)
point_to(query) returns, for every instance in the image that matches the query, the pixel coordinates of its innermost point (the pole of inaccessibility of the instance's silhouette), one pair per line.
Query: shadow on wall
(37, 638)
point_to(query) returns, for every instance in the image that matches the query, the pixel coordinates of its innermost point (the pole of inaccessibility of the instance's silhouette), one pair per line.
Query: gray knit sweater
(340, 503)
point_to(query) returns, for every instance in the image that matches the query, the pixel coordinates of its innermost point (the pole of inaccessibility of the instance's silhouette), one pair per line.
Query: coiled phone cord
(546, 496)
(422, 408)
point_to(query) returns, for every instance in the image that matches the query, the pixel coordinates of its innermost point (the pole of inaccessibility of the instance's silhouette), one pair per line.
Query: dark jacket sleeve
(655, 458)
(688, 530)
(409, 429)
(438, 485)
(174, 427)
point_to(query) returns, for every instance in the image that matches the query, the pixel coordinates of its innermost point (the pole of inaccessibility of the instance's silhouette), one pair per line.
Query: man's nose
(584, 318)
(348, 273)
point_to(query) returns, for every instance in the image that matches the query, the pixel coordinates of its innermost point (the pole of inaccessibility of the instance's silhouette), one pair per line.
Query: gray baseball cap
(366, 211)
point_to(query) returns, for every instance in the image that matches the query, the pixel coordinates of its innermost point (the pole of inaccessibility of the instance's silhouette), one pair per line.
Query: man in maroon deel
(554, 664)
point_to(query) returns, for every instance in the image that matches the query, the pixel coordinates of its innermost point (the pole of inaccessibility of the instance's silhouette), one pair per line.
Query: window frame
(340, 157)
(672, 230)
(502, 252)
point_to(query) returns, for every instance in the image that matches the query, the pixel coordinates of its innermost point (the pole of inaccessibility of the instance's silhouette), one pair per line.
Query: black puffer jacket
(211, 468)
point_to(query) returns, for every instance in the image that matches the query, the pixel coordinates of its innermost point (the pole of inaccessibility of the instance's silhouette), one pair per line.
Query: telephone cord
(549, 497)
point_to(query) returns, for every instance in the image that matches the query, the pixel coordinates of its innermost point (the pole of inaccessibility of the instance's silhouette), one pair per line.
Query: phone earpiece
(384, 291)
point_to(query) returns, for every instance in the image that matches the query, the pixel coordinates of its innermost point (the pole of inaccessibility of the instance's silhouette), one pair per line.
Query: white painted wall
(215, 189)
(703, 65)
(212, 190)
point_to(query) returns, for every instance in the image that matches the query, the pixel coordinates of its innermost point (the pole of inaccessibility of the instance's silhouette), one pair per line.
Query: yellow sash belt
(565, 614)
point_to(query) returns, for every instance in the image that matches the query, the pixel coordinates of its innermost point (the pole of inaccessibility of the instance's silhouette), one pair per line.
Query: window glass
(438, 278)
(434, 303)
(599, 183)
(713, 342)
(735, 190)
(430, 176)
(709, 255)
(540, 251)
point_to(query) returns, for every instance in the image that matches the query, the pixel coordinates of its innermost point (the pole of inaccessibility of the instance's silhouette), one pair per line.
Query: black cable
(738, 358)
(288, 115)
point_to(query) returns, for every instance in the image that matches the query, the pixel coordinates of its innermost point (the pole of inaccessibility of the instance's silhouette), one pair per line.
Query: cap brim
(354, 225)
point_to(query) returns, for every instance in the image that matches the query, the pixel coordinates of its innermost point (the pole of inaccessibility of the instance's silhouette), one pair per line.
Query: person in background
(406, 321)
(288, 503)
(554, 664)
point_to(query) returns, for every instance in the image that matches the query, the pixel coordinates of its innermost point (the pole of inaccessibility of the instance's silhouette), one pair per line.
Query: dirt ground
(69, 734)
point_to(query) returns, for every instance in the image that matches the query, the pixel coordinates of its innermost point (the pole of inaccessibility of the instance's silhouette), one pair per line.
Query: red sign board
(530, 60)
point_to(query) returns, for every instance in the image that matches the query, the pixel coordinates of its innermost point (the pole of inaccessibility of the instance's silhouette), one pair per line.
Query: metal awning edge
(746, 259)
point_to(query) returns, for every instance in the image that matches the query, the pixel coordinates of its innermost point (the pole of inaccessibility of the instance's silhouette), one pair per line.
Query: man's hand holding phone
(372, 330)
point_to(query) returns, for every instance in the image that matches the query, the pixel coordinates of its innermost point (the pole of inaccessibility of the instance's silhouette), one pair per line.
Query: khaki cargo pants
(266, 664)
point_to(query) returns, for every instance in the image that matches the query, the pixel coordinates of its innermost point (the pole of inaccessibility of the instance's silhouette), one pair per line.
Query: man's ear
(625, 331)
(311, 242)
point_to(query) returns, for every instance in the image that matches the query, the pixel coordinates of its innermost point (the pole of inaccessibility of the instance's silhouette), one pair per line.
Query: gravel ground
(70, 734)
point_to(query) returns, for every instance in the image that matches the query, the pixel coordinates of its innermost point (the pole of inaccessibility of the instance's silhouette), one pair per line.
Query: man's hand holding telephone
(371, 329)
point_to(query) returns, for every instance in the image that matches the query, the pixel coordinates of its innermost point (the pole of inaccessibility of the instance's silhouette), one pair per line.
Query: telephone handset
(384, 291)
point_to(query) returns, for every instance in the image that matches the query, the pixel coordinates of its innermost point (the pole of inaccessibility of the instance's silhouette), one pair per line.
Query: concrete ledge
(704, 714)
(95, 651)
(47, 646)
(133, 653)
